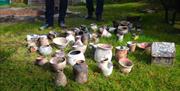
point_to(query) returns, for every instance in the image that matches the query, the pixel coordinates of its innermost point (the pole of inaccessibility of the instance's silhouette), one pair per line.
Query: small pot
(80, 70)
(81, 48)
(43, 41)
(74, 56)
(41, 61)
(45, 50)
(132, 46)
(102, 51)
(126, 65)
(121, 52)
(120, 37)
(61, 79)
(106, 67)
(58, 63)
(61, 42)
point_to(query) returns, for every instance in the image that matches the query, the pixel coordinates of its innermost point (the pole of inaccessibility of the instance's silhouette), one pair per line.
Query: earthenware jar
(80, 70)
(45, 50)
(132, 46)
(70, 36)
(106, 66)
(61, 79)
(81, 48)
(78, 41)
(75, 55)
(126, 65)
(43, 41)
(41, 60)
(60, 42)
(121, 52)
(58, 63)
(103, 51)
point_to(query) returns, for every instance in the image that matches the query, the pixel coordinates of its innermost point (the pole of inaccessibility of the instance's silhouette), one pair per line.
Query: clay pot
(104, 32)
(102, 51)
(81, 48)
(75, 55)
(94, 27)
(60, 42)
(120, 37)
(70, 36)
(106, 67)
(121, 52)
(132, 46)
(58, 63)
(43, 41)
(61, 79)
(45, 50)
(94, 38)
(126, 65)
(122, 30)
(52, 35)
(59, 53)
(85, 38)
(41, 61)
(80, 70)
(78, 41)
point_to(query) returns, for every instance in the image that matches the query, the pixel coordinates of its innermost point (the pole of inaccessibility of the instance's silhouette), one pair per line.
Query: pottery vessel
(58, 63)
(81, 48)
(103, 51)
(52, 35)
(61, 79)
(80, 70)
(41, 61)
(85, 38)
(143, 45)
(43, 41)
(104, 32)
(60, 42)
(122, 30)
(45, 50)
(121, 52)
(70, 36)
(120, 37)
(132, 46)
(75, 55)
(106, 66)
(94, 38)
(59, 53)
(78, 41)
(126, 65)
(32, 46)
(94, 27)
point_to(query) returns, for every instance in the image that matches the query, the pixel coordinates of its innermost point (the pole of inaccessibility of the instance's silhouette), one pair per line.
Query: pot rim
(124, 48)
(107, 46)
(70, 53)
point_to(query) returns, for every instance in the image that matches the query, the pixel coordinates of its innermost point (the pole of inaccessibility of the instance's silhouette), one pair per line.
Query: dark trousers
(50, 11)
(99, 7)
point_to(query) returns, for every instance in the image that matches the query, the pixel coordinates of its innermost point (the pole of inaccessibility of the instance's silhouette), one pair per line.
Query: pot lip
(105, 48)
(60, 41)
(124, 48)
(70, 53)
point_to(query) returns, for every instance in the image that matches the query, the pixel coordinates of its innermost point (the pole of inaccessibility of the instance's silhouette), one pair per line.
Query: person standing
(90, 9)
(49, 14)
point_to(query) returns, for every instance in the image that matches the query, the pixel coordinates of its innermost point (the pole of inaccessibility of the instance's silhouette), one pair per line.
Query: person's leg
(49, 12)
(62, 12)
(99, 9)
(90, 8)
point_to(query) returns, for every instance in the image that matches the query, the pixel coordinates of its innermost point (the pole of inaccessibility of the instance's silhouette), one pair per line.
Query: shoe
(45, 26)
(88, 17)
(62, 24)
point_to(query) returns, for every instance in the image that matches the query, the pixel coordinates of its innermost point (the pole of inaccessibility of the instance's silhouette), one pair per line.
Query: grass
(18, 72)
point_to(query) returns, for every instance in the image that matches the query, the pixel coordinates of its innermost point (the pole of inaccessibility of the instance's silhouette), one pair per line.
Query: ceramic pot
(61, 79)
(132, 46)
(43, 41)
(85, 38)
(104, 32)
(106, 67)
(78, 41)
(45, 50)
(103, 51)
(80, 70)
(120, 37)
(41, 61)
(70, 36)
(94, 38)
(126, 65)
(94, 27)
(75, 55)
(58, 63)
(52, 35)
(81, 48)
(59, 53)
(121, 52)
(60, 42)
(122, 30)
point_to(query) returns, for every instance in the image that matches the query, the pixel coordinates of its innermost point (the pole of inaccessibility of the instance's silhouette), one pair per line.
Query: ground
(18, 72)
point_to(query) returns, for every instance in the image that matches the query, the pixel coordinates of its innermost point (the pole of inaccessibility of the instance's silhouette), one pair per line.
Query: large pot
(45, 50)
(75, 55)
(103, 51)
(60, 42)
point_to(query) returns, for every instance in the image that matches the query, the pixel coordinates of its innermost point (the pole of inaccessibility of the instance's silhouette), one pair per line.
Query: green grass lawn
(18, 72)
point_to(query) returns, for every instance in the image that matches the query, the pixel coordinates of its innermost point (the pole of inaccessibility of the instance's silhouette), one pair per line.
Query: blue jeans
(99, 7)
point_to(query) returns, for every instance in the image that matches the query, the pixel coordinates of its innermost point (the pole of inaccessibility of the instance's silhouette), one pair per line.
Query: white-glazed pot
(75, 55)
(103, 51)
(106, 67)
(61, 42)
(58, 63)
(45, 50)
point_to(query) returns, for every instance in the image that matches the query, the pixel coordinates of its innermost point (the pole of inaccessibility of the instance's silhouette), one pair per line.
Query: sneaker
(45, 26)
